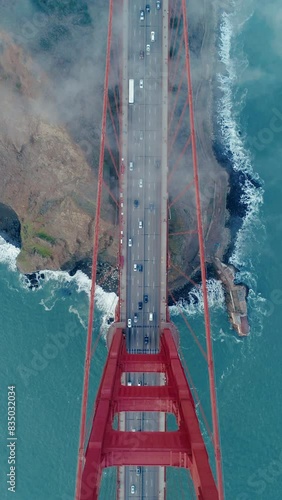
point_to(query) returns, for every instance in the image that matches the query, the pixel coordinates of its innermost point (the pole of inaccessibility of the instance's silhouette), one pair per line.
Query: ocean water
(43, 331)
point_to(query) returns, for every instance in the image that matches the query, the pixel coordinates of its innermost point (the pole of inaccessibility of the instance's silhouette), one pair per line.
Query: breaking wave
(231, 103)
(230, 106)
(194, 303)
(8, 254)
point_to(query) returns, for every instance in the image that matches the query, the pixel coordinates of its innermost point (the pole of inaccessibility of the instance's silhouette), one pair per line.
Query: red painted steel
(94, 267)
(202, 263)
(182, 448)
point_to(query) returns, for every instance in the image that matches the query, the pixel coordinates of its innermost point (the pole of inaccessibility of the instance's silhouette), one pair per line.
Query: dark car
(140, 267)
(146, 339)
(151, 207)
(136, 203)
(140, 305)
(146, 299)
(147, 8)
(158, 163)
(141, 54)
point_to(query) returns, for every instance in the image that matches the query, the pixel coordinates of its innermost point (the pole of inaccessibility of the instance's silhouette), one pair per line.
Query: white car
(152, 36)
(134, 267)
(129, 323)
(158, 4)
(131, 166)
(148, 49)
(140, 224)
(129, 242)
(141, 83)
(133, 489)
(140, 183)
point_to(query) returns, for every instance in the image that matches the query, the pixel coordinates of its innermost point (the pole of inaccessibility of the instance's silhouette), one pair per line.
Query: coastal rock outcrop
(48, 192)
(235, 297)
(46, 181)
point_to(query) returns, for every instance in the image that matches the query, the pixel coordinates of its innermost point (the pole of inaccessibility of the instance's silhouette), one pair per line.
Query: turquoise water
(43, 331)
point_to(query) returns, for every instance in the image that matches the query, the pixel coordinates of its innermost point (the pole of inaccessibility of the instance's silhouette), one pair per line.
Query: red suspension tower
(108, 446)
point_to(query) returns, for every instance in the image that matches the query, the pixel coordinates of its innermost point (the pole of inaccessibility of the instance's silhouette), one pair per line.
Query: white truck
(131, 91)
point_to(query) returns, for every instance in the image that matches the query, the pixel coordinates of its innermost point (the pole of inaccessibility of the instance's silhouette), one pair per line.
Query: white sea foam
(195, 304)
(228, 112)
(233, 141)
(231, 104)
(73, 310)
(106, 301)
(8, 254)
(252, 231)
(63, 278)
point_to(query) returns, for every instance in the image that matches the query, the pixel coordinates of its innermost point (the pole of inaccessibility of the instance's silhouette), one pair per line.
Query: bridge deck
(143, 210)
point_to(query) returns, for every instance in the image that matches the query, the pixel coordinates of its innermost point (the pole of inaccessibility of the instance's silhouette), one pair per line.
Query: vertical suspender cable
(94, 266)
(203, 269)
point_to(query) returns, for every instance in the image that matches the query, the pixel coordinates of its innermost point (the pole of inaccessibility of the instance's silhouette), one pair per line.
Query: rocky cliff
(46, 181)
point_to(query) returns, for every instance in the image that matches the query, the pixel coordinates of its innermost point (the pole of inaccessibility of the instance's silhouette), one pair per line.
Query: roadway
(144, 210)
(144, 150)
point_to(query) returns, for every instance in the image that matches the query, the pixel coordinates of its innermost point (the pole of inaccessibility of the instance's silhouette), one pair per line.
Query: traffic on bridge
(144, 379)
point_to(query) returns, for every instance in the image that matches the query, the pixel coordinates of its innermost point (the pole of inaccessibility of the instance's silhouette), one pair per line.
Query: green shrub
(43, 251)
(47, 237)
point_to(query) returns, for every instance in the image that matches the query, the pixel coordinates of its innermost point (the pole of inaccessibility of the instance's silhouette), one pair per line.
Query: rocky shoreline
(48, 200)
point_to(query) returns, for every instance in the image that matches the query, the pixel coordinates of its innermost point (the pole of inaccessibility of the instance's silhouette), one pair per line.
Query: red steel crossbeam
(202, 263)
(182, 448)
(94, 266)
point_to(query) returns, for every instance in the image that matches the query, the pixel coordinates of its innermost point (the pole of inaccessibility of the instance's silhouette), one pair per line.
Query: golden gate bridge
(150, 348)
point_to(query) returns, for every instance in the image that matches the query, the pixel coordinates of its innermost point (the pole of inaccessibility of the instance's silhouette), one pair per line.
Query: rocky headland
(48, 189)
